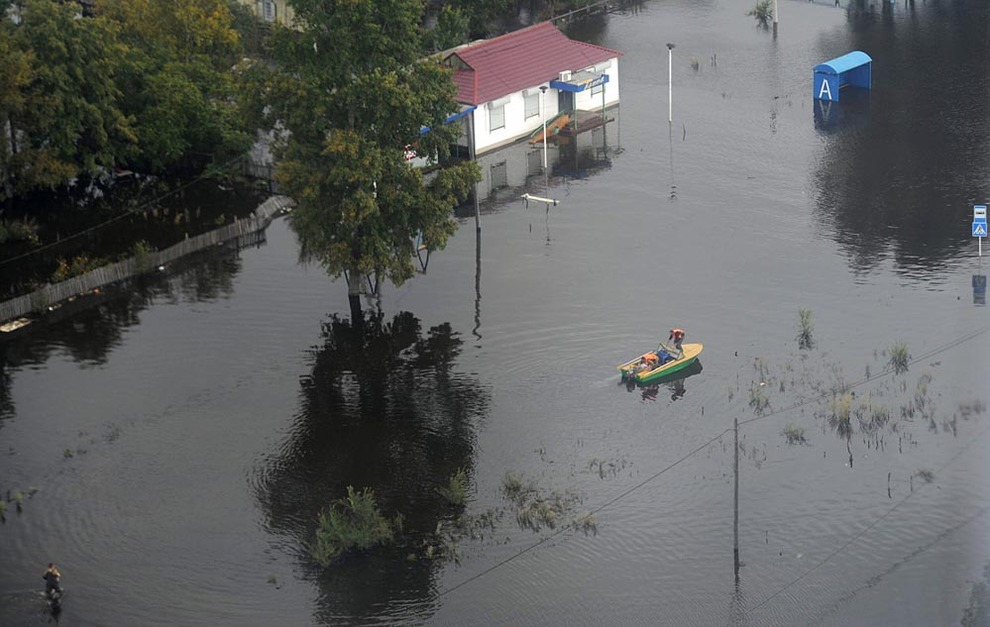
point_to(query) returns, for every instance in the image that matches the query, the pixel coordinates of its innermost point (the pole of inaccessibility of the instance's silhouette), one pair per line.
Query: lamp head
(670, 46)
(543, 88)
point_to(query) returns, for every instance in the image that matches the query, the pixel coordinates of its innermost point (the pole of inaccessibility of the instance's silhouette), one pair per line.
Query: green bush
(899, 358)
(763, 12)
(794, 434)
(80, 264)
(456, 491)
(805, 340)
(352, 524)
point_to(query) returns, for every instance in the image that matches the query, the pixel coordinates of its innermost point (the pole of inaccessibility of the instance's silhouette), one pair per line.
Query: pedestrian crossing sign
(979, 229)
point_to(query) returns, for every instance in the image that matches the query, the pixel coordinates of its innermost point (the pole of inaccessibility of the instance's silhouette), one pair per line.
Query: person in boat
(649, 361)
(52, 579)
(676, 337)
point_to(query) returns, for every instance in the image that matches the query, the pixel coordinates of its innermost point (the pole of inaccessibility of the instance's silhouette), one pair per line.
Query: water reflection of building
(518, 168)
(852, 112)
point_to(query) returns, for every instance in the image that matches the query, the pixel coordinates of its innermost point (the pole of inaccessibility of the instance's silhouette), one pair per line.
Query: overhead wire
(887, 371)
(866, 529)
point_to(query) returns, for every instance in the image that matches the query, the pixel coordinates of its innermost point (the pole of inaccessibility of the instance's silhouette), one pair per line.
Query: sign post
(980, 224)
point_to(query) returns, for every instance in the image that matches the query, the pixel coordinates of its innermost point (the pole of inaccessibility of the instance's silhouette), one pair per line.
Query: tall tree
(353, 91)
(64, 121)
(16, 73)
(176, 76)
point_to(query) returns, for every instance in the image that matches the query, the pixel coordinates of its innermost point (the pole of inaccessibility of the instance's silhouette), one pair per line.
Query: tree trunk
(357, 316)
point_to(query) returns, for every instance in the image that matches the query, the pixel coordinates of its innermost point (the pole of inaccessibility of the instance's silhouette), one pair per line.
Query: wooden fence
(241, 232)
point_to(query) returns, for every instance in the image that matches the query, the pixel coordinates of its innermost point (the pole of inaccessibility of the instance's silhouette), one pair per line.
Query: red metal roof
(520, 59)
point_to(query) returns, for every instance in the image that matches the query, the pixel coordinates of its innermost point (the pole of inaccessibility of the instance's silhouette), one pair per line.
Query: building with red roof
(515, 81)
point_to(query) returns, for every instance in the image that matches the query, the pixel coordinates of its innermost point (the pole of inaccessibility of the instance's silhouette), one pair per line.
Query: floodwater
(179, 441)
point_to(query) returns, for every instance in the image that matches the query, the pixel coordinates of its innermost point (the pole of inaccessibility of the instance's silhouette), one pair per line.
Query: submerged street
(175, 445)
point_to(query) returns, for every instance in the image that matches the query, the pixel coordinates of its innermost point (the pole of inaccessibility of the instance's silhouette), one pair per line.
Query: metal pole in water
(543, 114)
(735, 508)
(670, 83)
(775, 20)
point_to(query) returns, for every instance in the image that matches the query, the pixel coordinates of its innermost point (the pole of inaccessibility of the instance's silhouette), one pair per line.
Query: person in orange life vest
(676, 336)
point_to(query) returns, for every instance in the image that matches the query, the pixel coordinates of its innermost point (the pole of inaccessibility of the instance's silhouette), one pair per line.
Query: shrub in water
(805, 340)
(456, 490)
(352, 524)
(899, 358)
(763, 12)
(793, 433)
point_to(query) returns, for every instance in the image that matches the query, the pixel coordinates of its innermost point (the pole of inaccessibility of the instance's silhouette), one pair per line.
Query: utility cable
(968, 337)
(883, 373)
(608, 503)
(865, 530)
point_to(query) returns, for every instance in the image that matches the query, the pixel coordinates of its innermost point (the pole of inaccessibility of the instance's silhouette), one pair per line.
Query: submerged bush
(805, 340)
(763, 12)
(899, 358)
(793, 433)
(352, 524)
(457, 489)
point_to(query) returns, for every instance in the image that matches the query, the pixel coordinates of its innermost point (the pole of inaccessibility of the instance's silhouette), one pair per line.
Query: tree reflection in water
(381, 408)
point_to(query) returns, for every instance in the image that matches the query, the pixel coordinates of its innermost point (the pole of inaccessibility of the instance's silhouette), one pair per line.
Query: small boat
(633, 370)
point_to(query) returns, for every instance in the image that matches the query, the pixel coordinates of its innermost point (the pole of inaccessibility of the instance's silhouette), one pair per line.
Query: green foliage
(80, 264)
(18, 231)
(142, 251)
(759, 398)
(179, 89)
(840, 418)
(250, 29)
(352, 524)
(763, 12)
(805, 339)
(452, 29)
(794, 434)
(353, 92)
(899, 358)
(66, 113)
(456, 491)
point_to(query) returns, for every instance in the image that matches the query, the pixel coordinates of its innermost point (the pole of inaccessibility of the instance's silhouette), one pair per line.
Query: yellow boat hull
(631, 370)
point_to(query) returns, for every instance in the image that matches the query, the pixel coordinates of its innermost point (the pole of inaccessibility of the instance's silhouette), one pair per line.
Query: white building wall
(517, 126)
(585, 101)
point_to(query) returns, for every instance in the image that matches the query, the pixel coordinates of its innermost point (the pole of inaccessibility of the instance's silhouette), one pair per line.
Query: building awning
(451, 118)
(580, 81)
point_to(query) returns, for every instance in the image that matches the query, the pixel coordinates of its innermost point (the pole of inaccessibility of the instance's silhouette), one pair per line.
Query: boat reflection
(673, 382)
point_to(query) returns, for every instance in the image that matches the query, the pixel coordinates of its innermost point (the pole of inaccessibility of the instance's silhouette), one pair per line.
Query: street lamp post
(543, 114)
(670, 83)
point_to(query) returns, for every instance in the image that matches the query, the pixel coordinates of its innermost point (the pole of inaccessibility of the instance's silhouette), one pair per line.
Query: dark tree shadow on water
(382, 408)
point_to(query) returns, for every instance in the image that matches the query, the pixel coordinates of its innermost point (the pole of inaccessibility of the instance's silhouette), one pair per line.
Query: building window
(500, 176)
(597, 90)
(267, 10)
(496, 114)
(532, 104)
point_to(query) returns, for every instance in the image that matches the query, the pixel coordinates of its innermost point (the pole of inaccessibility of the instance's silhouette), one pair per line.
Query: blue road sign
(979, 229)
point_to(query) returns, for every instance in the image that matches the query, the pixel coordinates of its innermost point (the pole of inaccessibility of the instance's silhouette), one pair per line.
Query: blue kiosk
(852, 69)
